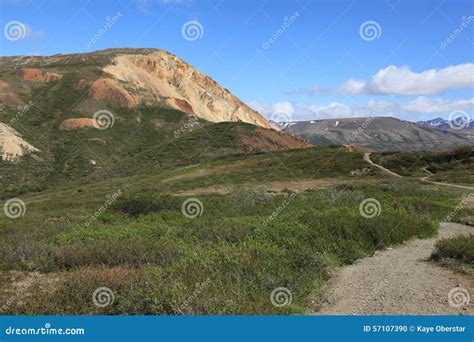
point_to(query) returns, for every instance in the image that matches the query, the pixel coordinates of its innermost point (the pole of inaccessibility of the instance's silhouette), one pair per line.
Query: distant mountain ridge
(444, 124)
(377, 133)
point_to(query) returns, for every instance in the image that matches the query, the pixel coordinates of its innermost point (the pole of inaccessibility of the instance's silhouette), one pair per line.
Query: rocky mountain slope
(379, 134)
(127, 78)
(12, 145)
(116, 113)
(460, 127)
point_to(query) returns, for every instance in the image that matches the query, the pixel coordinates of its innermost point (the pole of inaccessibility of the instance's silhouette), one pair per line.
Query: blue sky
(301, 70)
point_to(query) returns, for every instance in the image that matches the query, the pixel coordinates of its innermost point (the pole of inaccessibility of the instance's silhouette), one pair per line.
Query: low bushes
(146, 203)
(459, 247)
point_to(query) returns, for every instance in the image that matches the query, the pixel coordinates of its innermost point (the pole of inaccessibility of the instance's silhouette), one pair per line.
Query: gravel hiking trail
(398, 281)
(423, 179)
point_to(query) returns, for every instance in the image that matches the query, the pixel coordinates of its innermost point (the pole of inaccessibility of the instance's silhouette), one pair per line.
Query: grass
(79, 236)
(456, 252)
(227, 260)
(455, 166)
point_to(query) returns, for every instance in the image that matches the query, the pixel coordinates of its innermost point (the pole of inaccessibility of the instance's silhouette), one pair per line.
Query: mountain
(116, 113)
(376, 133)
(463, 127)
(128, 78)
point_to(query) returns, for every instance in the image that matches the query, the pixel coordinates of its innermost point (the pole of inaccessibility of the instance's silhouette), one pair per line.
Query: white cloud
(31, 34)
(287, 111)
(423, 105)
(394, 80)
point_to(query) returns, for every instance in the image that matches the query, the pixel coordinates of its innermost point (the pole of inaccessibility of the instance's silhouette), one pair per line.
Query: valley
(129, 169)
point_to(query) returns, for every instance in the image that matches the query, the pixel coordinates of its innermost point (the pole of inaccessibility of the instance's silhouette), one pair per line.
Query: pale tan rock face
(12, 145)
(163, 77)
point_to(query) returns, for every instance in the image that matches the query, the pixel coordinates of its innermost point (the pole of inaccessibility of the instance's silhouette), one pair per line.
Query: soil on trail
(398, 281)
(423, 179)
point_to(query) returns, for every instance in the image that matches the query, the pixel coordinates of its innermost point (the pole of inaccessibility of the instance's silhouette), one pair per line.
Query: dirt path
(387, 171)
(273, 186)
(399, 281)
(423, 179)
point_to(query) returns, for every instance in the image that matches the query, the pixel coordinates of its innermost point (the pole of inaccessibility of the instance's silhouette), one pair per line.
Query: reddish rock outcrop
(37, 75)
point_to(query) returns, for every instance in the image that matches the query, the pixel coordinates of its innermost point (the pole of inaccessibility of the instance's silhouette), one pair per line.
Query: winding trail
(398, 281)
(385, 170)
(423, 179)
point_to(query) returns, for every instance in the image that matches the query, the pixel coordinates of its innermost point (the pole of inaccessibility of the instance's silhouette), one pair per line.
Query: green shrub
(459, 247)
(146, 203)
